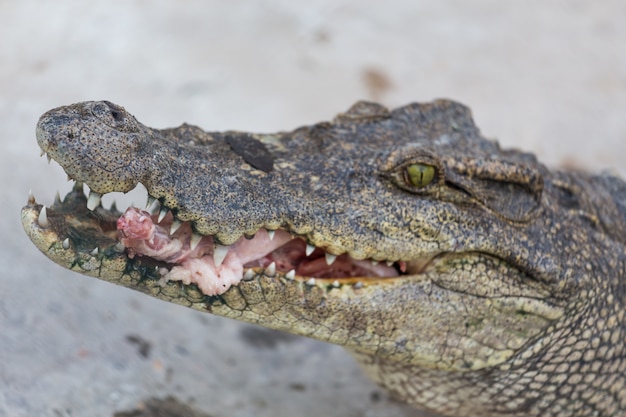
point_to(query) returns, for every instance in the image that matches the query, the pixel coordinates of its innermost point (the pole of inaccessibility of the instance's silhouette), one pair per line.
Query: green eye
(420, 175)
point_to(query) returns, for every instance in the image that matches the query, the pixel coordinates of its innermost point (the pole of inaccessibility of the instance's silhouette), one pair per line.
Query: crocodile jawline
(90, 230)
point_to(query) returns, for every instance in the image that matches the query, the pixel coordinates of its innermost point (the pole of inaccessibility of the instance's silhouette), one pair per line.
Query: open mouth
(173, 251)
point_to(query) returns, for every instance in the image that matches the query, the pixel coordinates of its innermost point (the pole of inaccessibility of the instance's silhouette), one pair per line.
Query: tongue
(140, 234)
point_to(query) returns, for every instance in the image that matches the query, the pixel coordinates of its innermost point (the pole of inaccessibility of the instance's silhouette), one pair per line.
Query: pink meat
(143, 237)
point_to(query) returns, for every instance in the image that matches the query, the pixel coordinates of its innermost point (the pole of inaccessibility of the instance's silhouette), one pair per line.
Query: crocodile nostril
(115, 111)
(117, 116)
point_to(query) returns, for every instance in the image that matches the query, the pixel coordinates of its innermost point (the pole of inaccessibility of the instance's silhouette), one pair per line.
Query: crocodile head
(402, 235)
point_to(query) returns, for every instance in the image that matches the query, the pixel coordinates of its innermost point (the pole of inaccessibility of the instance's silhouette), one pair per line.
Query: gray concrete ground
(549, 77)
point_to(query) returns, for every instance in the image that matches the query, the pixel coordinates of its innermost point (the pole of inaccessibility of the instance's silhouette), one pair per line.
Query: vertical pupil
(420, 175)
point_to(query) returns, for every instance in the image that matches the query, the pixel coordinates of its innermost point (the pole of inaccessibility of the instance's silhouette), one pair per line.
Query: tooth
(310, 282)
(49, 158)
(66, 243)
(119, 247)
(69, 178)
(195, 240)
(389, 263)
(43, 218)
(175, 226)
(31, 198)
(336, 284)
(219, 253)
(374, 262)
(248, 275)
(150, 202)
(113, 207)
(330, 258)
(162, 213)
(57, 198)
(42, 153)
(156, 208)
(290, 275)
(270, 271)
(94, 200)
(94, 252)
(358, 285)
(270, 234)
(309, 249)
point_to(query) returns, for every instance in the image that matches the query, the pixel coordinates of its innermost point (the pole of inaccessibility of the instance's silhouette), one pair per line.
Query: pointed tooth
(113, 207)
(43, 218)
(162, 213)
(195, 240)
(69, 178)
(66, 243)
(49, 158)
(95, 251)
(389, 263)
(150, 202)
(57, 199)
(219, 253)
(31, 198)
(270, 271)
(155, 209)
(175, 226)
(248, 275)
(270, 234)
(330, 258)
(291, 275)
(309, 249)
(41, 153)
(310, 282)
(358, 285)
(336, 284)
(93, 200)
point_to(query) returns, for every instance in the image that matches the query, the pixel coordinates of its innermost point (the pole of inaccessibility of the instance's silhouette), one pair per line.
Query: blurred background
(547, 77)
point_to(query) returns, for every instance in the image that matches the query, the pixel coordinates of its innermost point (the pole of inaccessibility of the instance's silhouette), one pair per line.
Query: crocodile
(466, 279)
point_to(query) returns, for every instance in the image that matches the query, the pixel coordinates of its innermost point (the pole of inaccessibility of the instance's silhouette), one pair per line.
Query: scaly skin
(512, 303)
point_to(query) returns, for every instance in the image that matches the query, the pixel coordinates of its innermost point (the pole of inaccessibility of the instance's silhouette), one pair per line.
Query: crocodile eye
(419, 175)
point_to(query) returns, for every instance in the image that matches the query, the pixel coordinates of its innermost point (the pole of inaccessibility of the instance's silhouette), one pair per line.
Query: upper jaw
(327, 249)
